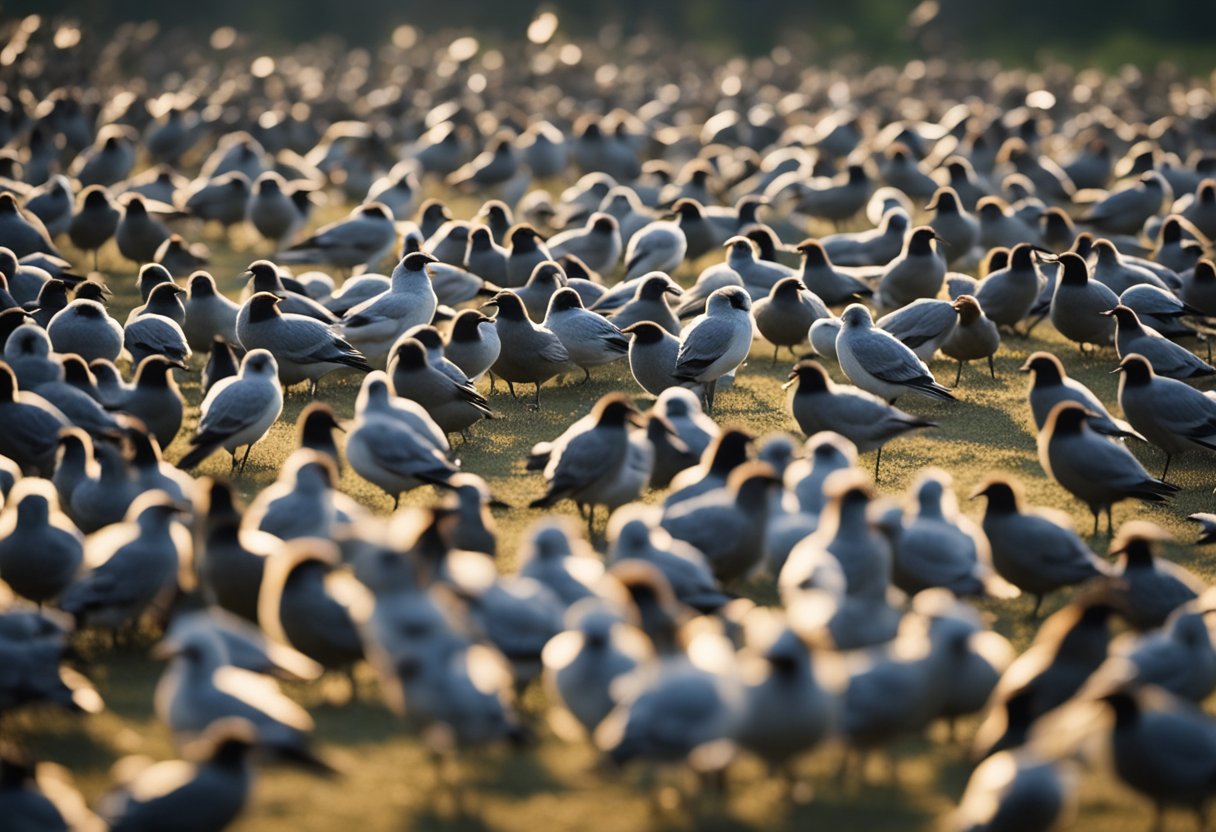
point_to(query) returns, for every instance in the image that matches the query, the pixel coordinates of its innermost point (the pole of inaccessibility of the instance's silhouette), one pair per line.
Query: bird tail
(204, 446)
(1156, 491)
(931, 388)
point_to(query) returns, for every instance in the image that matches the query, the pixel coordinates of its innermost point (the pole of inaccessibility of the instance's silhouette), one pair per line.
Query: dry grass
(388, 783)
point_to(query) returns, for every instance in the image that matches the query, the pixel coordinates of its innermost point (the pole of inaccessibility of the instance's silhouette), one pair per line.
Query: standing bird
(1097, 471)
(473, 343)
(530, 353)
(1079, 305)
(652, 356)
(1149, 587)
(922, 326)
(1171, 414)
(1166, 358)
(374, 325)
(85, 328)
(363, 239)
(584, 463)
(95, 221)
(306, 349)
(271, 209)
(1035, 549)
(831, 285)
(393, 443)
(155, 399)
(590, 339)
(29, 426)
(525, 251)
(657, 247)
(1007, 295)
(878, 362)
(819, 404)
(40, 548)
(238, 410)
(139, 234)
(648, 302)
(975, 337)
(784, 317)
(1050, 385)
(208, 313)
(455, 407)
(918, 272)
(716, 343)
(598, 243)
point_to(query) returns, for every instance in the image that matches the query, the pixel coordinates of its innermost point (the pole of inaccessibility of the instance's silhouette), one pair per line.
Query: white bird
(878, 362)
(238, 410)
(590, 339)
(716, 343)
(374, 325)
(657, 247)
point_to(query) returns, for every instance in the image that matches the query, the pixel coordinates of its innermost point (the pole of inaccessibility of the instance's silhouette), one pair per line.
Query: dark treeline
(1103, 32)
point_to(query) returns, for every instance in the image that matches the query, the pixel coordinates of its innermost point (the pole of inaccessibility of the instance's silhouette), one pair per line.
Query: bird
(1126, 210)
(590, 339)
(526, 249)
(29, 426)
(1050, 385)
(40, 548)
(155, 398)
(717, 342)
(94, 221)
(652, 356)
(597, 243)
(1170, 414)
(139, 233)
(917, 272)
(1007, 295)
(975, 336)
(364, 239)
(647, 301)
(151, 334)
(1035, 549)
(1164, 356)
(878, 362)
(659, 246)
(454, 406)
(583, 464)
(1094, 469)
(923, 325)
(1149, 587)
(819, 404)
(473, 343)
(833, 286)
(785, 316)
(374, 325)
(529, 353)
(85, 328)
(305, 349)
(208, 313)
(23, 233)
(393, 443)
(1079, 304)
(238, 410)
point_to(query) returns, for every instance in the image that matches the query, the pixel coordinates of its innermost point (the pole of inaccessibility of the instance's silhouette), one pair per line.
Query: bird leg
(1038, 602)
(95, 254)
(590, 520)
(877, 462)
(1110, 521)
(245, 458)
(959, 374)
(1097, 515)
(493, 382)
(586, 376)
(312, 390)
(709, 395)
(232, 470)
(511, 387)
(1168, 457)
(536, 395)
(992, 367)
(396, 501)
(776, 349)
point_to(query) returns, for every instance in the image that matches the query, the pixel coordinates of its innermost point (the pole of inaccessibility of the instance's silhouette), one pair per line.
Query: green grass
(388, 783)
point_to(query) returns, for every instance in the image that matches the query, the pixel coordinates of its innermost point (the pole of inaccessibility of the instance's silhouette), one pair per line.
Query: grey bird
(1149, 587)
(393, 443)
(652, 356)
(306, 349)
(1171, 414)
(40, 548)
(759, 276)
(454, 407)
(525, 250)
(1000, 226)
(543, 283)
(51, 203)
(265, 276)
(374, 325)
(598, 243)
(139, 234)
(530, 353)
(221, 363)
(163, 299)
(155, 335)
(362, 239)
(94, 222)
(271, 210)
(954, 226)
(1199, 292)
(155, 398)
(1007, 295)
(878, 362)
(976, 336)
(1118, 272)
(1096, 470)
(784, 317)
(208, 313)
(1035, 549)
(211, 786)
(137, 564)
(918, 272)
(819, 404)
(22, 232)
(832, 286)
(29, 426)
(922, 326)
(1050, 385)
(876, 247)
(585, 461)
(591, 340)
(473, 343)
(1078, 305)
(647, 303)
(486, 258)
(1160, 309)
(223, 199)
(1125, 211)
(657, 247)
(1166, 358)
(716, 343)
(238, 410)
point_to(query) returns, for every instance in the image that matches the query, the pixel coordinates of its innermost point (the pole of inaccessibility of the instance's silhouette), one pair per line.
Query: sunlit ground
(388, 782)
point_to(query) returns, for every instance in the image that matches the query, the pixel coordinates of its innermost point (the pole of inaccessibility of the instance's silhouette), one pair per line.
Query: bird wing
(261, 694)
(887, 359)
(703, 345)
(235, 407)
(919, 322)
(399, 449)
(351, 233)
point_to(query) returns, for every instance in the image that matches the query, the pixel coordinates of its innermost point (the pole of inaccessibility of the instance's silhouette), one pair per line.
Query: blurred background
(1102, 33)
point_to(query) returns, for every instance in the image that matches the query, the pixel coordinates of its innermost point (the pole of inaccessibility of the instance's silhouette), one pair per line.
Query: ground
(388, 783)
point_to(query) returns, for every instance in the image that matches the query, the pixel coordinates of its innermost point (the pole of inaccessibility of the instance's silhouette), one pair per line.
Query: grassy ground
(388, 783)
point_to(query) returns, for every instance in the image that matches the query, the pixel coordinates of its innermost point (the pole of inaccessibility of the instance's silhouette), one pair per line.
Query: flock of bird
(657, 213)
